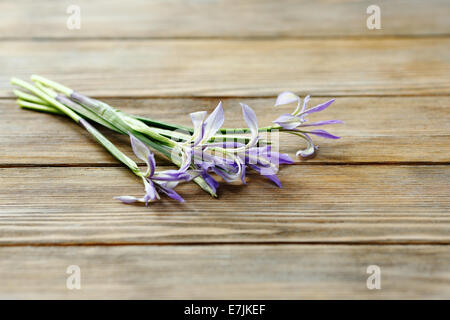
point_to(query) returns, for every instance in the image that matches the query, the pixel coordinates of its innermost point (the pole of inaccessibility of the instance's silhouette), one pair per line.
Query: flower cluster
(203, 153)
(296, 123)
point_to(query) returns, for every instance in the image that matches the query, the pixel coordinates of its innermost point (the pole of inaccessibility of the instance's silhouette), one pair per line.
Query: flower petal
(321, 123)
(286, 98)
(275, 179)
(213, 122)
(305, 102)
(279, 158)
(210, 181)
(252, 123)
(226, 144)
(172, 175)
(310, 148)
(271, 175)
(318, 108)
(285, 118)
(139, 148)
(288, 121)
(129, 199)
(198, 119)
(323, 134)
(168, 184)
(151, 164)
(150, 191)
(171, 193)
(142, 152)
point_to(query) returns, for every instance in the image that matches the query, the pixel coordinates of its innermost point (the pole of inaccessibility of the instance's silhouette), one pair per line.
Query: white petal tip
(286, 97)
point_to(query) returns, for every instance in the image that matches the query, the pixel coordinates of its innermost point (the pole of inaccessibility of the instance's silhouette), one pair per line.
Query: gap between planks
(231, 38)
(317, 163)
(224, 243)
(218, 97)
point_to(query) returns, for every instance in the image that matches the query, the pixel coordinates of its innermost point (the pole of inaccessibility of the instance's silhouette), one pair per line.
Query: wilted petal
(310, 148)
(213, 122)
(286, 98)
(324, 134)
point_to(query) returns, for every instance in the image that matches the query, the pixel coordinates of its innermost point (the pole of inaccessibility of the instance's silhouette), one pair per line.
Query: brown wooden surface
(326, 204)
(379, 129)
(379, 196)
(226, 272)
(221, 18)
(142, 68)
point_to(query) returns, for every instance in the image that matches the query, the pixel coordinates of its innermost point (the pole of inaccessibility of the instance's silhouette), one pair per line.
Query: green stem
(46, 95)
(38, 107)
(153, 123)
(58, 108)
(52, 84)
(29, 97)
(75, 117)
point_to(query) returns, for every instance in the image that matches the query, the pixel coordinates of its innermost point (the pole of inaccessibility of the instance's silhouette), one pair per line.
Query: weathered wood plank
(234, 68)
(226, 272)
(197, 19)
(330, 204)
(389, 129)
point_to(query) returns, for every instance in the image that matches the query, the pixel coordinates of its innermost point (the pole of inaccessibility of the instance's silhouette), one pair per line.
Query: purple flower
(266, 162)
(156, 182)
(224, 162)
(229, 159)
(225, 167)
(296, 122)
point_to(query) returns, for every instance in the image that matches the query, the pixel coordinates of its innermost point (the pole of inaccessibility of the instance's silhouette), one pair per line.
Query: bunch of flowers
(202, 153)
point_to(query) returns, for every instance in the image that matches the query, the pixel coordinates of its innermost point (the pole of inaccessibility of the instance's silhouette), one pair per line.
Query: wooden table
(379, 196)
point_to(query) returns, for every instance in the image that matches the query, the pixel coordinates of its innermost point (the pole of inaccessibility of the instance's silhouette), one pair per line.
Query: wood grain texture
(379, 196)
(220, 18)
(325, 204)
(234, 68)
(385, 130)
(226, 272)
